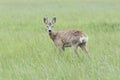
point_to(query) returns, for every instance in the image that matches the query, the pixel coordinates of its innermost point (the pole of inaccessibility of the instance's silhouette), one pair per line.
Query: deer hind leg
(83, 47)
(75, 47)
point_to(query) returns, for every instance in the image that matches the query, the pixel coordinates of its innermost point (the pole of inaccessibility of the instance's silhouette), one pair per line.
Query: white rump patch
(83, 39)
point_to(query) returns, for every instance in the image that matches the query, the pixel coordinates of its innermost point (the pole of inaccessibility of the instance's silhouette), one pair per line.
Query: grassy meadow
(27, 52)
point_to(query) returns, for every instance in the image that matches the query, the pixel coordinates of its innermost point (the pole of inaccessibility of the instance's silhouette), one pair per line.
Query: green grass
(27, 52)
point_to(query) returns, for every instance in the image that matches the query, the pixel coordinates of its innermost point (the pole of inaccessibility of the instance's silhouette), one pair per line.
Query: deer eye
(51, 25)
(48, 26)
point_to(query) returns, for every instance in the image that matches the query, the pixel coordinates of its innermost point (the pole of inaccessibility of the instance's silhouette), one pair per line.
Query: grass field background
(27, 52)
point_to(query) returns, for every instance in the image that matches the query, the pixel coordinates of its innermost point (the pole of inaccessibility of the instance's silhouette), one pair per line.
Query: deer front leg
(60, 45)
(61, 49)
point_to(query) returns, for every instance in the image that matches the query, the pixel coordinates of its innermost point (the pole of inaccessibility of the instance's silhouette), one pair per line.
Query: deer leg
(75, 50)
(61, 49)
(83, 47)
(60, 45)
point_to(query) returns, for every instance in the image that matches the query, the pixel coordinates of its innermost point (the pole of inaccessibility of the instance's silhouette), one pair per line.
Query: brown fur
(68, 38)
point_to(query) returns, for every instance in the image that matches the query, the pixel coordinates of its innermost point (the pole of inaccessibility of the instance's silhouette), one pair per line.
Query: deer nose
(49, 30)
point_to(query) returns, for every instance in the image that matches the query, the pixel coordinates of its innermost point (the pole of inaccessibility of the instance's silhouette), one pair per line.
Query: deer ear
(54, 20)
(45, 20)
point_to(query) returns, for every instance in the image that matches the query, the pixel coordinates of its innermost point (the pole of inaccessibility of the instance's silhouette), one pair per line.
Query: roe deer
(68, 38)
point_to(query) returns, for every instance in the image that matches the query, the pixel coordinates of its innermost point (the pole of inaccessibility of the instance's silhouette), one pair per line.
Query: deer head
(49, 24)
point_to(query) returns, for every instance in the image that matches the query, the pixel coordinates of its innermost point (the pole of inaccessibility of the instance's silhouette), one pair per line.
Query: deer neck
(53, 35)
